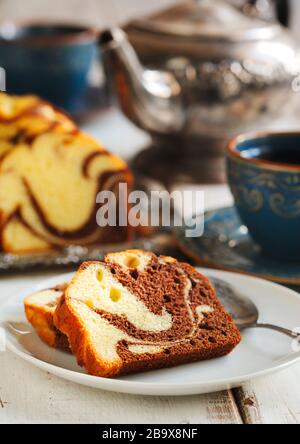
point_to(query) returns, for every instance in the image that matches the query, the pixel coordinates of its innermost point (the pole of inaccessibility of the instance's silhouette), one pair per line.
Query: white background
(96, 12)
(102, 13)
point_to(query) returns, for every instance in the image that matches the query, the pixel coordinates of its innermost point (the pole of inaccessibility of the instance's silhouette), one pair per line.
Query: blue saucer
(227, 245)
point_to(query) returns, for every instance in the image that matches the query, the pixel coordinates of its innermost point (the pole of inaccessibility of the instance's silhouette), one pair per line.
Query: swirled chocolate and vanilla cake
(136, 311)
(50, 175)
(39, 309)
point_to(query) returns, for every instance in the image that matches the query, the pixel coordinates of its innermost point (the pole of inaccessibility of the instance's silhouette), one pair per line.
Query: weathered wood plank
(271, 400)
(222, 408)
(29, 395)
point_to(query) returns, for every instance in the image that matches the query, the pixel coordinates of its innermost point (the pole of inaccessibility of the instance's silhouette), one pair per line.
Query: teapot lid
(206, 19)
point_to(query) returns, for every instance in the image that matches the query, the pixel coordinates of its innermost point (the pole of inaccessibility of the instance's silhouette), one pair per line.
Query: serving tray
(72, 255)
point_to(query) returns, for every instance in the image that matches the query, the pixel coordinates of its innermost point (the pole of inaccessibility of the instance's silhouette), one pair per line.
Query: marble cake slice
(50, 176)
(40, 308)
(136, 312)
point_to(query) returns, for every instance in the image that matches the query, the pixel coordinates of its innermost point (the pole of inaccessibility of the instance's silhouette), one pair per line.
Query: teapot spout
(150, 99)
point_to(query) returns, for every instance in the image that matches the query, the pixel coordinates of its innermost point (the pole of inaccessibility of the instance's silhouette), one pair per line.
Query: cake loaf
(22, 118)
(136, 312)
(40, 308)
(50, 175)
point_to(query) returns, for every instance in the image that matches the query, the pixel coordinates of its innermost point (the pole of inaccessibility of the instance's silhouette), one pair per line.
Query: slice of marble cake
(40, 308)
(136, 312)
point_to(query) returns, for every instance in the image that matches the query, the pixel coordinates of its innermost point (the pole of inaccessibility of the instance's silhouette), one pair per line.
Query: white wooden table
(28, 395)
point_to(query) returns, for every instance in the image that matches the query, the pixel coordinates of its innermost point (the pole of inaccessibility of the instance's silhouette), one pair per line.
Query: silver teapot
(201, 69)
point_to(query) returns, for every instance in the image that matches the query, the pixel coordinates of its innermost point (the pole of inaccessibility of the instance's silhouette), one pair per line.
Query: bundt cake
(39, 309)
(136, 311)
(50, 175)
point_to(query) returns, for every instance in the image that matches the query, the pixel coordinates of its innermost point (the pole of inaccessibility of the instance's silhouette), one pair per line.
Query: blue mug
(264, 176)
(52, 61)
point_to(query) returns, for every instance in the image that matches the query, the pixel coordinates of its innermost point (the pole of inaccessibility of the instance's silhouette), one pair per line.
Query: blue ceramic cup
(264, 176)
(52, 61)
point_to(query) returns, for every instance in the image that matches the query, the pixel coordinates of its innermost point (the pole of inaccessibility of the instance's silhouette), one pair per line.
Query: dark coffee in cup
(264, 176)
(283, 156)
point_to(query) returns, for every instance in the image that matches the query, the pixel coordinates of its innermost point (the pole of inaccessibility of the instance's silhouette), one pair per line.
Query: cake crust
(147, 312)
(39, 310)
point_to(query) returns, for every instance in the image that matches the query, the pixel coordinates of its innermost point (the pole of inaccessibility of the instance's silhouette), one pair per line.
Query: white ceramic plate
(261, 352)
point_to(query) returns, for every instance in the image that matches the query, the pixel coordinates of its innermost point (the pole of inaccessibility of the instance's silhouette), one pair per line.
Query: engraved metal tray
(69, 256)
(159, 242)
(75, 255)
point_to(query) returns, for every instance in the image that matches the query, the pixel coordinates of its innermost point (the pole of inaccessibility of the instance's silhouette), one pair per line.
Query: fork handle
(285, 331)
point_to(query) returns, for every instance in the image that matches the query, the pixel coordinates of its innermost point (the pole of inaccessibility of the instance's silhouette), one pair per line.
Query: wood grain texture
(272, 400)
(29, 395)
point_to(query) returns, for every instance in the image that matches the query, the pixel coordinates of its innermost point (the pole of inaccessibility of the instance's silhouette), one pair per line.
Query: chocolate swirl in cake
(168, 296)
(141, 312)
(106, 181)
(50, 175)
